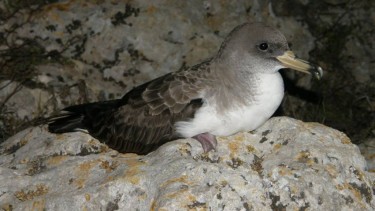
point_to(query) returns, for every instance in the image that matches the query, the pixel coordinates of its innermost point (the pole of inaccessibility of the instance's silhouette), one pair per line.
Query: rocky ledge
(285, 164)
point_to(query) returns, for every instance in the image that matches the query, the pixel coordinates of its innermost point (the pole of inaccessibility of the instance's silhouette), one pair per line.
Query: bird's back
(139, 122)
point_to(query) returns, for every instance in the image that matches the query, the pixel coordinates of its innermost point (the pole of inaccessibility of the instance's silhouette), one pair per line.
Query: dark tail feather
(78, 116)
(64, 123)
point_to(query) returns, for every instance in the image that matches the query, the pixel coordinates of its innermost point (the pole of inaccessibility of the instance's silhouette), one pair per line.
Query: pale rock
(285, 164)
(25, 103)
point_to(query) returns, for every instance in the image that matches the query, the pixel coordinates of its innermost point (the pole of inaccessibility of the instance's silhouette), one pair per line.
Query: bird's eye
(263, 46)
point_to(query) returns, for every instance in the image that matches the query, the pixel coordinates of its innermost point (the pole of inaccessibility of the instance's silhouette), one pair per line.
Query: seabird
(236, 90)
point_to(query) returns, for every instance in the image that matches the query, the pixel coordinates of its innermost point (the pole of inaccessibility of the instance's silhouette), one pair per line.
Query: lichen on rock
(285, 164)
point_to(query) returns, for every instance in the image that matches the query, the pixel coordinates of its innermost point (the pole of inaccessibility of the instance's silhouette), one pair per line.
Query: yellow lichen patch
(224, 183)
(143, 196)
(293, 189)
(134, 162)
(25, 195)
(354, 191)
(56, 160)
(26, 138)
(182, 179)
(181, 196)
(311, 162)
(185, 149)
(109, 167)
(235, 144)
(7, 207)
(239, 137)
(134, 179)
(191, 197)
(331, 169)
(344, 138)
(339, 187)
(86, 166)
(277, 146)
(92, 141)
(82, 172)
(153, 205)
(176, 194)
(129, 155)
(24, 161)
(357, 194)
(102, 147)
(87, 197)
(39, 205)
(60, 137)
(80, 183)
(305, 157)
(284, 171)
(132, 173)
(23, 142)
(250, 149)
(233, 147)
(360, 175)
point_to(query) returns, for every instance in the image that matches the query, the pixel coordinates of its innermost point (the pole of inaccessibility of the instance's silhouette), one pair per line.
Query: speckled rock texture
(284, 165)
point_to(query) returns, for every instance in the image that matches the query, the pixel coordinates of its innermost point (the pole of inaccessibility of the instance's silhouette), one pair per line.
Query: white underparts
(244, 117)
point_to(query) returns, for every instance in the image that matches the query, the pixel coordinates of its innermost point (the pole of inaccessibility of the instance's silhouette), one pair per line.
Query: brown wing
(145, 117)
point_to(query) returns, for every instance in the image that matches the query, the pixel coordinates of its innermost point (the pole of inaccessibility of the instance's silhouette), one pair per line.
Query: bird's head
(257, 48)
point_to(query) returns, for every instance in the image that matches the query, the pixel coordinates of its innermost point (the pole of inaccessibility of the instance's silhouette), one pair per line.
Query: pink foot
(207, 140)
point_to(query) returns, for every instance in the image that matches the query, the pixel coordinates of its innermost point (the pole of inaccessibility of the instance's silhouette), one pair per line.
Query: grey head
(257, 48)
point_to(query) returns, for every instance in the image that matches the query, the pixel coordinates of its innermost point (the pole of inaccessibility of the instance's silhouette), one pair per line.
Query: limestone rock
(283, 164)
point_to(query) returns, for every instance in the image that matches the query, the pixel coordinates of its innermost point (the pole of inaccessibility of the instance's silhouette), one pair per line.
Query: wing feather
(146, 115)
(144, 118)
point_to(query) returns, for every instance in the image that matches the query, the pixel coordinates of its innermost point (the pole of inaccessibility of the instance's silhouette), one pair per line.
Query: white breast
(270, 91)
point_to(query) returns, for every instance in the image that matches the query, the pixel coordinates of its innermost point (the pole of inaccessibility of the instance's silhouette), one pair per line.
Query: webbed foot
(207, 140)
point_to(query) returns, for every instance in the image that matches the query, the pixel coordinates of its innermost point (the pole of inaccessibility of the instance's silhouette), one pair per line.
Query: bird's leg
(207, 140)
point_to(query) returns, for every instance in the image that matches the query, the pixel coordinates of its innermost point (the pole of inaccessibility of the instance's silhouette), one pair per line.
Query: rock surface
(285, 164)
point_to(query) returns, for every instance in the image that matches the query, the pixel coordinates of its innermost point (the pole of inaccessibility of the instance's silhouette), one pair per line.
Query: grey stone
(283, 164)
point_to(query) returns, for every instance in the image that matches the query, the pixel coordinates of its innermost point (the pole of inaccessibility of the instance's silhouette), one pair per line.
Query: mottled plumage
(236, 90)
